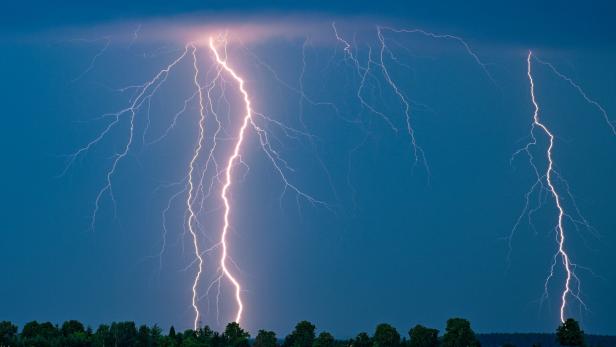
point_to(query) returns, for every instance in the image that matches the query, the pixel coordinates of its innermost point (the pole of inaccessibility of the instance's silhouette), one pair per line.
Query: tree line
(72, 333)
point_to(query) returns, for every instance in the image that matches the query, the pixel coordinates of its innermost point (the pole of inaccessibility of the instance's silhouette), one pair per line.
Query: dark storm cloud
(530, 23)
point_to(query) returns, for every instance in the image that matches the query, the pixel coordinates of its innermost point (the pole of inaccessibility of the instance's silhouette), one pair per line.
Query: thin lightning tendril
(610, 123)
(417, 151)
(145, 92)
(189, 199)
(460, 40)
(363, 73)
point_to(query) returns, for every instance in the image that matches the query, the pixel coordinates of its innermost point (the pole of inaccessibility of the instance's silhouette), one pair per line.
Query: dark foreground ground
(545, 340)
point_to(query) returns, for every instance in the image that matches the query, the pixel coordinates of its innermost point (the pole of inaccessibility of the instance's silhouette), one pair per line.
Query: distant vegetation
(126, 334)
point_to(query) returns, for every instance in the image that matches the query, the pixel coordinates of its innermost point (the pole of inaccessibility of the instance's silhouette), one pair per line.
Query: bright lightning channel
(546, 182)
(228, 176)
(277, 162)
(549, 174)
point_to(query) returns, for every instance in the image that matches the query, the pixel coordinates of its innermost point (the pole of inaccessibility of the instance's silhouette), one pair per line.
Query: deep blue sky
(397, 248)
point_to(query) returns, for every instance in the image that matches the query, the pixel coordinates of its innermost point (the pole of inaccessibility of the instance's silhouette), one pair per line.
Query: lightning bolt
(228, 175)
(546, 182)
(191, 187)
(249, 121)
(549, 176)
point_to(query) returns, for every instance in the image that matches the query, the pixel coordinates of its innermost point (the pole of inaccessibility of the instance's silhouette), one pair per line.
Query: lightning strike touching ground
(189, 198)
(549, 179)
(228, 176)
(248, 121)
(547, 182)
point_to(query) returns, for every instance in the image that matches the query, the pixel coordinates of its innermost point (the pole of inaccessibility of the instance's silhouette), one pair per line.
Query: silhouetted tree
(156, 335)
(362, 340)
(189, 333)
(235, 336)
(171, 340)
(265, 339)
(76, 339)
(570, 334)
(386, 336)
(40, 335)
(324, 339)
(172, 332)
(8, 333)
(143, 337)
(71, 327)
(102, 337)
(217, 340)
(188, 338)
(423, 337)
(193, 341)
(45, 330)
(302, 336)
(459, 334)
(205, 332)
(124, 334)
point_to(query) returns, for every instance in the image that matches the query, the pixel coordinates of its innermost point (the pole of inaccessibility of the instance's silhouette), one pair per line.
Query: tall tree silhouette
(570, 334)
(386, 336)
(459, 334)
(302, 336)
(423, 337)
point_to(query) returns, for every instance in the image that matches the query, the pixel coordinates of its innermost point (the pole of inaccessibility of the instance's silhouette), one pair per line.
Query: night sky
(397, 241)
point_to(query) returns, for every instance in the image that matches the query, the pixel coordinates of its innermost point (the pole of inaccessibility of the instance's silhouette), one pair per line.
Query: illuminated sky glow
(272, 167)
